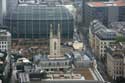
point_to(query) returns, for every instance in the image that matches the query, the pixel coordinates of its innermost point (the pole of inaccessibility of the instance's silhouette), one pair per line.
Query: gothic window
(54, 45)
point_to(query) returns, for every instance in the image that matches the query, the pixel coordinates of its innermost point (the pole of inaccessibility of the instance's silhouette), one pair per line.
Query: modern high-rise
(2, 10)
(84, 4)
(33, 19)
(106, 12)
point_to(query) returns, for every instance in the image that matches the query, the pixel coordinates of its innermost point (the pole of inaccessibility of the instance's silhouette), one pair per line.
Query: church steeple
(51, 31)
(58, 31)
(55, 42)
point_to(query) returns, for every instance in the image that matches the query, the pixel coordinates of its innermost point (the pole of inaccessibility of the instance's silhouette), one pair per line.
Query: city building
(56, 67)
(23, 64)
(2, 10)
(55, 61)
(99, 37)
(81, 60)
(119, 27)
(5, 66)
(79, 12)
(102, 39)
(116, 60)
(32, 20)
(106, 12)
(5, 40)
(84, 4)
(94, 27)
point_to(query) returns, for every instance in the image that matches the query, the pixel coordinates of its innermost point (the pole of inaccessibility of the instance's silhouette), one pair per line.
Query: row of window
(3, 42)
(118, 72)
(51, 64)
(3, 46)
(118, 68)
(103, 42)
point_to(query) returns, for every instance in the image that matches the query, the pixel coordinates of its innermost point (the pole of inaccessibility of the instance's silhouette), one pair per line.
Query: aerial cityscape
(62, 41)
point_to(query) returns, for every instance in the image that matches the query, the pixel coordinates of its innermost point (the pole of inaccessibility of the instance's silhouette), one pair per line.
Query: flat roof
(63, 76)
(118, 26)
(85, 72)
(4, 32)
(106, 34)
(106, 4)
(68, 81)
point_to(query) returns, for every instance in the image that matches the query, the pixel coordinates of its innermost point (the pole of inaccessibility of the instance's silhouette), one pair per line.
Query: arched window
(54, 45)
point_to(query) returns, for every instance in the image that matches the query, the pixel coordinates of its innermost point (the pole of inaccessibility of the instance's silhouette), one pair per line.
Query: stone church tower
(55, 43)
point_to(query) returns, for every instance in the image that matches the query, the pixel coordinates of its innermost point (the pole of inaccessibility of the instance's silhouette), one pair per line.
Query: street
(100, 66)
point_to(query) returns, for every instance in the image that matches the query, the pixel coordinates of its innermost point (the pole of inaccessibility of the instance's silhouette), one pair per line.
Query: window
(101, 42)
(54, 45)
(65, 63)
(49, 64)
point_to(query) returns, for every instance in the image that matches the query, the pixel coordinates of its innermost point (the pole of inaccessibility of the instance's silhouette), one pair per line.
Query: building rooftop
(65, 77)
(40, 12)
(106, 34)
(40, 57)
(96, 26)
(4, 32)
(106, 4)
(116, 50)
(118, 26)
(68, 81)
(85, 72)
(40, 2)
(85, 75)
(118, 56)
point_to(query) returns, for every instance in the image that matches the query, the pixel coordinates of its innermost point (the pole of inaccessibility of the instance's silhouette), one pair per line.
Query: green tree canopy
(120, 39)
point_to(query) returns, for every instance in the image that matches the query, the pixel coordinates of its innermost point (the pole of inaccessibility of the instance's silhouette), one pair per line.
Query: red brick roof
(103, 4)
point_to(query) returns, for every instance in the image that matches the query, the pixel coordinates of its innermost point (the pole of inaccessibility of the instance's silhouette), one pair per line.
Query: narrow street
(101, 66)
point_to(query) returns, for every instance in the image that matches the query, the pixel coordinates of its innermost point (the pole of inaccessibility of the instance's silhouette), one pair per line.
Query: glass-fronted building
(33, 21)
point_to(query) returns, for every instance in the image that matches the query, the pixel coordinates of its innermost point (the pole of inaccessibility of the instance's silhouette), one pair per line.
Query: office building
(3, 10)
(99, 37)
(116, 60)
(5, 40)
(102, 39)
(32, 20)
(106, 12)
(94, 27)
(5, 66)
(84, 4)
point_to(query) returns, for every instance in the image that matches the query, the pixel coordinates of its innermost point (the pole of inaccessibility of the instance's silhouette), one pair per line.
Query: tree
(120, 39)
